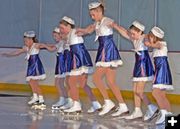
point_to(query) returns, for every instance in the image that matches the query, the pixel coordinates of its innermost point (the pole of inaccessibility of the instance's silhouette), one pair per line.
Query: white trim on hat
(29, 34)
(69, 20)
(157, 32)
(57, 30)
(138, 25)
(94, 5)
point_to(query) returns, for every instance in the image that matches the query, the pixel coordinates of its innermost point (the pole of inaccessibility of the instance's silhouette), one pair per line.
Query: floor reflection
(15, 114)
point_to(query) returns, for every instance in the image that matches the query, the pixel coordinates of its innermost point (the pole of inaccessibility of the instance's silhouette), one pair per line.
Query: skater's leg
(74, 91)
(97, 79)
(111, 80)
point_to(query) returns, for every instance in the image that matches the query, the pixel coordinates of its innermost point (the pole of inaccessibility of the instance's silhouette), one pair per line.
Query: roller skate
(107, 107)
(151, 112)
(56, 107)
(40, 105)
(161, 118)
(34, 99)
(75, 110)
(69, 104)
(137, 114)
(96, 106)
(121, 110)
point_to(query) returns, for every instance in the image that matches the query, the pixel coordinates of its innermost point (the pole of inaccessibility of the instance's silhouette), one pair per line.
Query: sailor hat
(138, 25)
(94, 5)
(56, 30)
(29, 34)
(157, 32)
(69, 20)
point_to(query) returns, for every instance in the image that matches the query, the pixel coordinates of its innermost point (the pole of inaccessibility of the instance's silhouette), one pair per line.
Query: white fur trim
(163, 86)
(40, 77)
(80, 71)
(60, 75)
(144, 79)
(114, 63)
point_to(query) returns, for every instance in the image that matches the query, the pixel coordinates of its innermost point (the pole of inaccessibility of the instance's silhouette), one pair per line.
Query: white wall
(13, 70)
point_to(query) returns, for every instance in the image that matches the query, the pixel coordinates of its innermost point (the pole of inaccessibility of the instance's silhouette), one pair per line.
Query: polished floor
(15, 114)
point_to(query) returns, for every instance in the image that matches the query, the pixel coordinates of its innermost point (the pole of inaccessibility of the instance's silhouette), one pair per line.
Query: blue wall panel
(42, 16)
(169, 20)
(17, 16)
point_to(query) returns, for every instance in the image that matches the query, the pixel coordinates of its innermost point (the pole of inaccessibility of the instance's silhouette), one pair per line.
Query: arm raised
(84, 31)
(14, 53)
(121, 30)
(49, 47)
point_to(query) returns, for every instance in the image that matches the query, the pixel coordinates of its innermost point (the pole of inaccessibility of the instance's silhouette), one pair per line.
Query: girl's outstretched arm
(84, 31)
(49, 47)
(14, 53)
(121, 30)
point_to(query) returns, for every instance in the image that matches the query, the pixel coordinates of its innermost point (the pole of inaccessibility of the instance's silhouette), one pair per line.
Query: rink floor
(16, 114)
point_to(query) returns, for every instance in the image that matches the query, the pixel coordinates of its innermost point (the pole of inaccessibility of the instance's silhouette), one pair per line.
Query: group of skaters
(73, 65)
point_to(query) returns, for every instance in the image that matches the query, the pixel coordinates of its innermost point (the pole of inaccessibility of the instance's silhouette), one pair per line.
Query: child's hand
(79, 32)
(5, 54)
(159, 45)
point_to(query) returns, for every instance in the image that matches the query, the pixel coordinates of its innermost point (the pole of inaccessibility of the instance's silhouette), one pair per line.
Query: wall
(42, 16)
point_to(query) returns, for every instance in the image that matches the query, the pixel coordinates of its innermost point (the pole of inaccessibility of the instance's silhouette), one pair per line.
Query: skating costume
(35, 70)
(143, 68)
(81, 61)
(163, 78)
(60, 62)
(108, 54)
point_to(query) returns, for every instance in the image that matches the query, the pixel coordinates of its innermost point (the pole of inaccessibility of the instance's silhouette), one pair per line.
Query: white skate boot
(58, 104)
(76, 108)
(151, 112)
(161, 118)
(34, 99)
(122, 109)
(137, 114)
(107, 107)
(40, 105)
(96, 106)
(69, 104)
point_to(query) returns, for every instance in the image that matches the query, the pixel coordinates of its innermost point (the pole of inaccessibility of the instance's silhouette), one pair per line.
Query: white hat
(57, 30)
(157, 32)
(69, 20)
(29, 34)
(94, 5)
(138, 25)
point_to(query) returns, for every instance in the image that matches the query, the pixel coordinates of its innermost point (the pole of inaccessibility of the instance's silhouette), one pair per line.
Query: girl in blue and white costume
(163, 79)
(61, 68)
(81, 66)
(107, 59)
(35, 70)
(143, 68)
